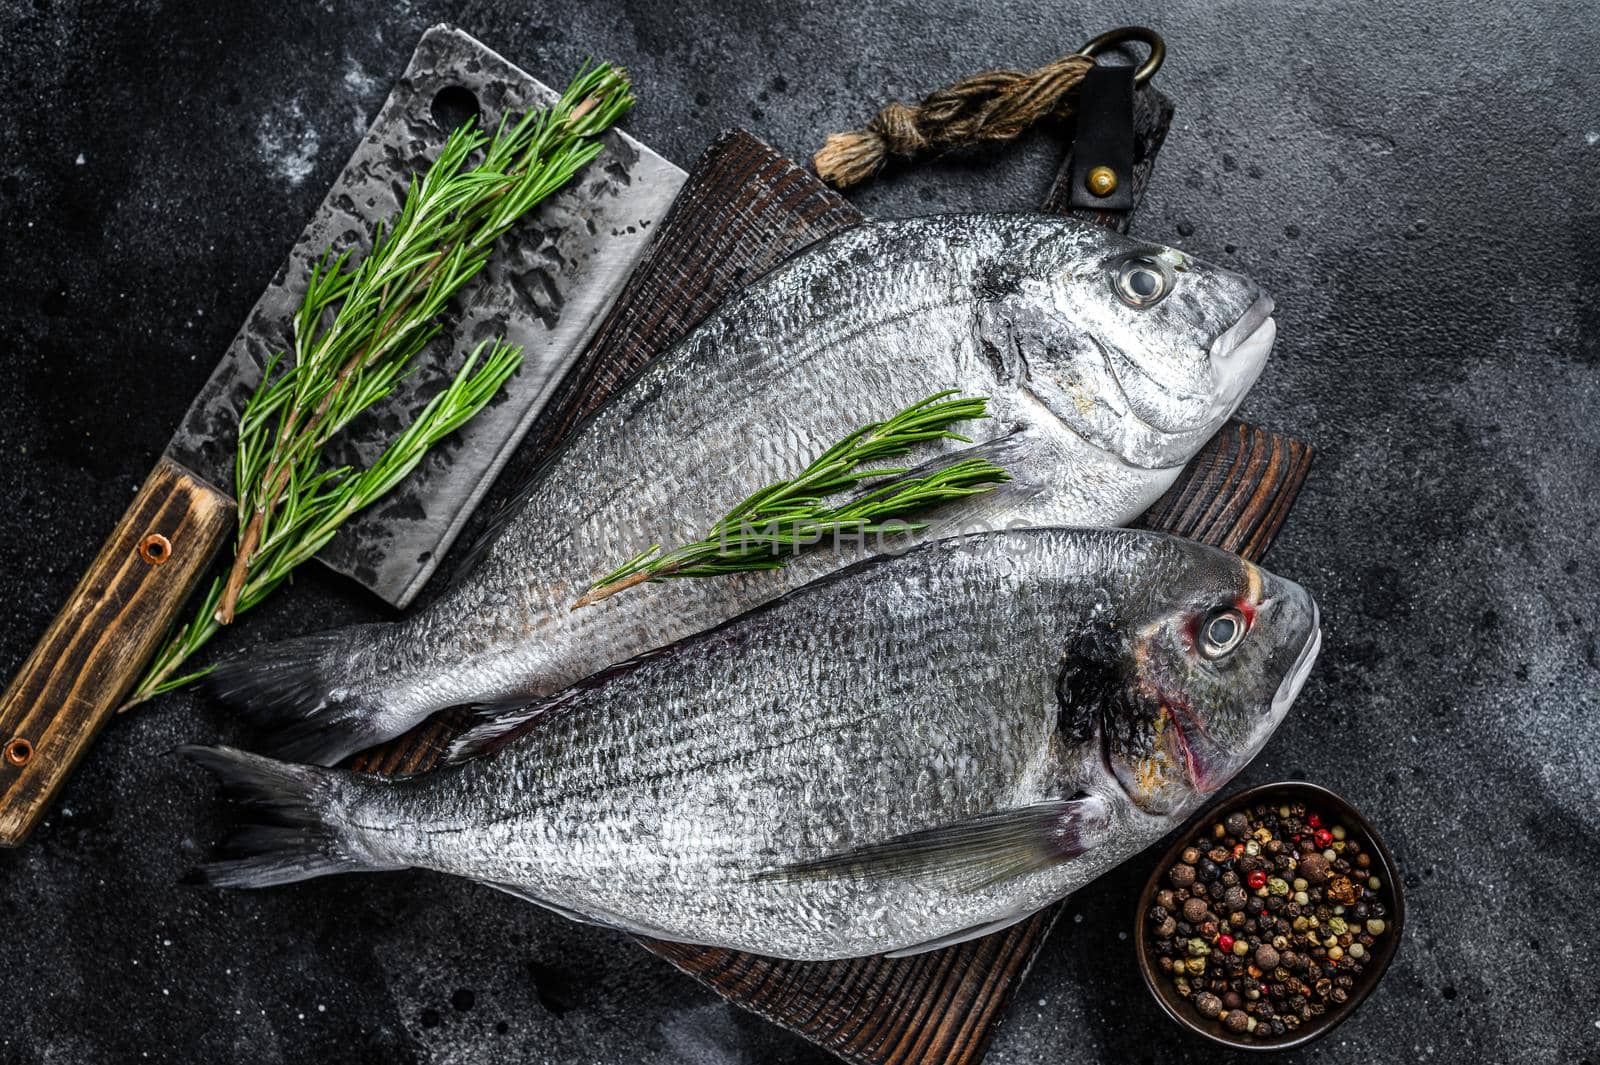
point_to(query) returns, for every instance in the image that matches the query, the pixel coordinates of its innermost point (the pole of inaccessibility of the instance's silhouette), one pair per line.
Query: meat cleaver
(546, 287)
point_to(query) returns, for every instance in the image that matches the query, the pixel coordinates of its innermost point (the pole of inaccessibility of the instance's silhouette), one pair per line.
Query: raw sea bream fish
(1108, 362)
(913, 751)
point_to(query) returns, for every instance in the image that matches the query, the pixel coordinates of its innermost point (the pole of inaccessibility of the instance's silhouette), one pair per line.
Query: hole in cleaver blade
(546, 288)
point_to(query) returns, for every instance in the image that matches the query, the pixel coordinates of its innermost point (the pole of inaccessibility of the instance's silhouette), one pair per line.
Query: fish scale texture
(867, 324)
(1413, 181)
(726, 756)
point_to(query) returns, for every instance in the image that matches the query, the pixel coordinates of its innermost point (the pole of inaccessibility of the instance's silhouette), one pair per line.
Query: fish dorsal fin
(979, 852)
(494, 725)
(498, 724)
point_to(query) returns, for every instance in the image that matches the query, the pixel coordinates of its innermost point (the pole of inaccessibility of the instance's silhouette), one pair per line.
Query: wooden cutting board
(744, 208)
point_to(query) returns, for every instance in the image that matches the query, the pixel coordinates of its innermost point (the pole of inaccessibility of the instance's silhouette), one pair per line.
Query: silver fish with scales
(914, 751)
(1108, 362)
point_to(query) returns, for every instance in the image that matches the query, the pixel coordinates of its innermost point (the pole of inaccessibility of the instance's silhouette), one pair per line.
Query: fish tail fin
(289, 829)
(313, 698)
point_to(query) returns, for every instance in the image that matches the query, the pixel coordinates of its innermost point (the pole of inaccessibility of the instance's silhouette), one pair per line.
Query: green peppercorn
(1196, 966)
(1198, 947)
(1375, 927)
(1277, 886)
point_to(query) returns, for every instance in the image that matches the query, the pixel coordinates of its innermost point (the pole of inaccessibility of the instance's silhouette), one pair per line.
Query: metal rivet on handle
(155, 549)
(1101, 181)
(18, 751)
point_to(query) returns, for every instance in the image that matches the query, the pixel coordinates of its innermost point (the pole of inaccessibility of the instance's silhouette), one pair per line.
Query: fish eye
(1141, 282)
(1221, 631)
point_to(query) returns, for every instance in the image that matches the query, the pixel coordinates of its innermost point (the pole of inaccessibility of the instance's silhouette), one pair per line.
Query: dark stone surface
(1414, 181)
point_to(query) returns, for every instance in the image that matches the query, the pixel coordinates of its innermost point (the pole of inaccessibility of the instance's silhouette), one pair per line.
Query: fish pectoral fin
(588, 915)
(976, 853)
(977, 931)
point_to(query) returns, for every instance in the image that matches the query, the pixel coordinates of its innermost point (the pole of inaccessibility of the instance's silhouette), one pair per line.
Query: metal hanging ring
(1124, 34)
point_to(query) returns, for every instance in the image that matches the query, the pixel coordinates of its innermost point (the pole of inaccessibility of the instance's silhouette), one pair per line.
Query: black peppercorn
(1270, 961)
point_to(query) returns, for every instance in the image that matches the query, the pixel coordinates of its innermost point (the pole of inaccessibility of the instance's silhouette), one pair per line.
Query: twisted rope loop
(989, 107)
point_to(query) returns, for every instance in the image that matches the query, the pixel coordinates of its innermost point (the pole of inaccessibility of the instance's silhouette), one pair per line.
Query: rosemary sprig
(782, 519)
(361, 325)
(357, 333)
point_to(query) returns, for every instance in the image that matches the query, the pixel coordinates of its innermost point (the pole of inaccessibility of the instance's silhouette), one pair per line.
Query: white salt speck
(321, 1008)
(1077, 918)
(1122, 935)
(80, 160)
(300, 1016)
(166, 942)
(166, 991)
(1041, 1002)
(1592, 138)
(287, 142)
(358, 80)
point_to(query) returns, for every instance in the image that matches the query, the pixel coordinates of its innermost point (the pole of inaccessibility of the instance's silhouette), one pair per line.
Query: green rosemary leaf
(775, 522)
(363, 322)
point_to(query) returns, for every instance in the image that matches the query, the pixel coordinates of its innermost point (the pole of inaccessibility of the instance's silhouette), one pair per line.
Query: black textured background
(1415, 181)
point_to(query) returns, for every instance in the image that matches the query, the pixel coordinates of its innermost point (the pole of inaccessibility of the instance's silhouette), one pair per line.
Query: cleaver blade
(546, 287)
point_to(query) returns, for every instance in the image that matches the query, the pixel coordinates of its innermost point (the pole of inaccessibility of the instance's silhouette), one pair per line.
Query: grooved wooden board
(743, 209)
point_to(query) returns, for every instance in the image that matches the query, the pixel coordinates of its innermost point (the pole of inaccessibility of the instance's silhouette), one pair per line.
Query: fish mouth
(1295, 679)
(1248, 330)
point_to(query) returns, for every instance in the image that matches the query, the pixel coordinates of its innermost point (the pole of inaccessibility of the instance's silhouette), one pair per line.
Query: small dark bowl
(1180, 1010)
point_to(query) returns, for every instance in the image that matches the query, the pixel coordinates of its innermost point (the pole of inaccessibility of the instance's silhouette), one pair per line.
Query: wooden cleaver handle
(98, 644)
